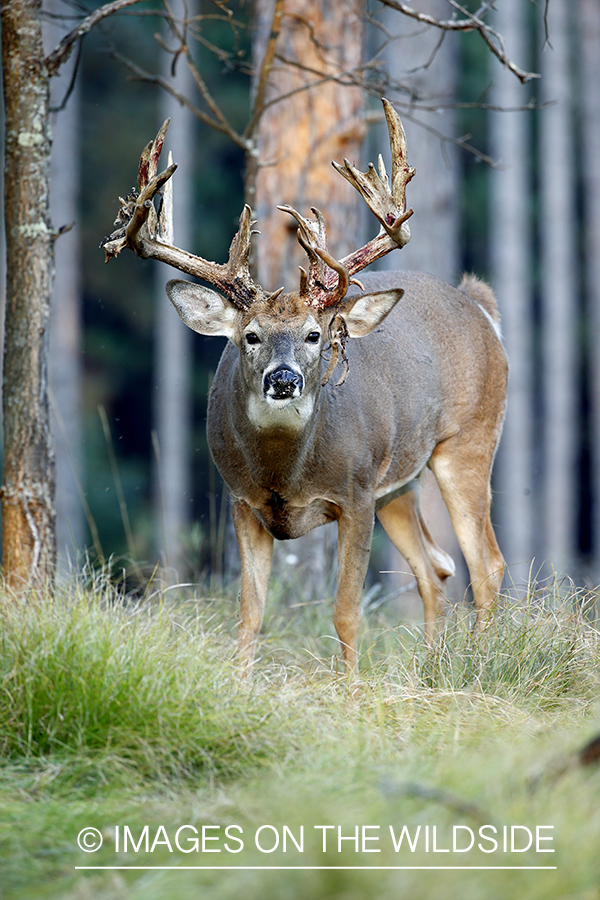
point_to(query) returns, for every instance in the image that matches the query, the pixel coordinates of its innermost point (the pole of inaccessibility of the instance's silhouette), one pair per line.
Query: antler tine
(388, 204)
(335, 295)
(312, 233)
(315, 285)
(401, 171)
(151, 236)
(165, 215)
(148, 166)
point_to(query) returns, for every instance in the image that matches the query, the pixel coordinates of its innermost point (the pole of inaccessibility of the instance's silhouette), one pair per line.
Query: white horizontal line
(318, 868)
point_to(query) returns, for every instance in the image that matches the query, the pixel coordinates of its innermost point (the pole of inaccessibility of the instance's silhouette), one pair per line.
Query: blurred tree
(559, 290)
(173, 341)
(422, 69)
(588, 33)
(511, 249)
(312, 113)
(65, 360)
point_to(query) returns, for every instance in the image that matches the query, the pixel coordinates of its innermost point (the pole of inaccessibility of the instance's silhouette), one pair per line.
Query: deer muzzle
(282, 383)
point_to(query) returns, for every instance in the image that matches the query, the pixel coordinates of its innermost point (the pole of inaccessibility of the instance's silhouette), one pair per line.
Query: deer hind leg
(462, 466)
(404, 525)
(256, 554)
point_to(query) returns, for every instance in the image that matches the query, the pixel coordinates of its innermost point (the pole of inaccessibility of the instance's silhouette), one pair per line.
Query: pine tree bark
(319, 46)
(29, 543)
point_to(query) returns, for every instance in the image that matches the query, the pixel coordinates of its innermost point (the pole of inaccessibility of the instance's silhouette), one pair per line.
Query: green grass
(115, 713)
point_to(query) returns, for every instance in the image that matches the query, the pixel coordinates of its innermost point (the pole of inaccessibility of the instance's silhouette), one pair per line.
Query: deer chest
(286, 520)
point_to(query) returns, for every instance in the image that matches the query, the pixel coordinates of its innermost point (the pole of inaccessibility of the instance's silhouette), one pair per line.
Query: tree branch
(258, 104)
(218, 122)
(62, 51)
(471, 22)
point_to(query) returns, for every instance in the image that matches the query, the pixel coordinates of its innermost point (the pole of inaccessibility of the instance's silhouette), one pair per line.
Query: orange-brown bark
(318, 50)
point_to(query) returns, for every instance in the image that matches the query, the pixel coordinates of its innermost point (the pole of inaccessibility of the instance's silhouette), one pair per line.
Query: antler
(387, 205)
(316, 285)
(150, 235)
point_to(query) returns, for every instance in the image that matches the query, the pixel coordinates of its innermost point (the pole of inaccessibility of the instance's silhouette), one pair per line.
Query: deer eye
(252, 339)
(313, 337)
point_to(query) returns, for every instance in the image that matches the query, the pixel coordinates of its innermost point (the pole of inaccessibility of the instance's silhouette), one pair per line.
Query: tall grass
(532, 651)
(129, 686)
(114, 711)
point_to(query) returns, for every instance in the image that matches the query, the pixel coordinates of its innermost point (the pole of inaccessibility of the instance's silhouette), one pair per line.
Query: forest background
(507, 186)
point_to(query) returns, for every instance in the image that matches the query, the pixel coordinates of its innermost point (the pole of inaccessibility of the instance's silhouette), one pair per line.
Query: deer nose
(283, 382)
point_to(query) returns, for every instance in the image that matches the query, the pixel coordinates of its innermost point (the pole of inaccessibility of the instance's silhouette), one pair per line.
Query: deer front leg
(256, 554)
(355, 534)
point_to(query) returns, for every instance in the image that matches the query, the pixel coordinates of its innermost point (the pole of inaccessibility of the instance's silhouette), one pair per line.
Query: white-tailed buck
(423, 384)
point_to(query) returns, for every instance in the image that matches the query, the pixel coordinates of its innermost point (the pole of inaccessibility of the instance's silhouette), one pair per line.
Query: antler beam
(150, 235)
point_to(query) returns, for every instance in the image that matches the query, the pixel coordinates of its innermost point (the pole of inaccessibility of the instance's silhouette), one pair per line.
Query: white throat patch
(291, 413)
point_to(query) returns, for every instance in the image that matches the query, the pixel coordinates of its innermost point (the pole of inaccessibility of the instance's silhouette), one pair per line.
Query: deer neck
(277, 441)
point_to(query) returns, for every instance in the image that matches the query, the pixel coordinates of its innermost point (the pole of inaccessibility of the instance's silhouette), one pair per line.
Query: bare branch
(62, 52)
(218, 123)
(471, 22)
(258, 105)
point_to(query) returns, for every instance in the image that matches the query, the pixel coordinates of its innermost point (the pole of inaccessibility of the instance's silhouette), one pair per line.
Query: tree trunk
(588, 12)
(28, 486)
(65, 362)
(319, 121)
(510, 239)
(299, 137)
(559, 296)
(173, 342)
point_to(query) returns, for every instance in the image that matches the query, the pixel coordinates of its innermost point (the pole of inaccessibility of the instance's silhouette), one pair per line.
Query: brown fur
(481, 293)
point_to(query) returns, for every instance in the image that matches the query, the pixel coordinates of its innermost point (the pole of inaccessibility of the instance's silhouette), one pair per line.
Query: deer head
(281, 336)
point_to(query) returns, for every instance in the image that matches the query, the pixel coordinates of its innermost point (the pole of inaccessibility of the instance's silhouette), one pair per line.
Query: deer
(422, 386)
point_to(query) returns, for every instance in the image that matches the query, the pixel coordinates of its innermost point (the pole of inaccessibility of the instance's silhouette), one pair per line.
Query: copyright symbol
(89, 840)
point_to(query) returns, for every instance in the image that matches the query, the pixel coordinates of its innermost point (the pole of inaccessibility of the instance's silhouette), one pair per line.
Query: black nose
(282, 382)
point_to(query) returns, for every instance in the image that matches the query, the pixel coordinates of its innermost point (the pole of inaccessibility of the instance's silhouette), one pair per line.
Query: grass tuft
(531, 652)
(126, 686)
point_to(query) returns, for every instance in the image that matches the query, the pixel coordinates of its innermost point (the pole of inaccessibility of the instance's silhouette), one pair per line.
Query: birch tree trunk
(510, 238)
(559, 293)
(28, 488)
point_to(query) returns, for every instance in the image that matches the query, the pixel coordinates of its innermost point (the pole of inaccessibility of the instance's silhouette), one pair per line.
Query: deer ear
(366, 312)
(201, 309)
